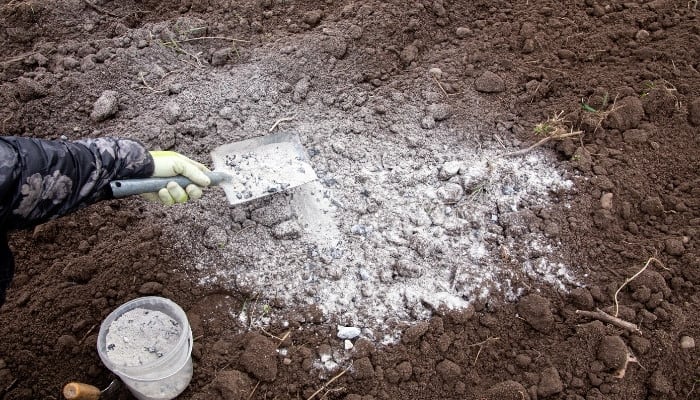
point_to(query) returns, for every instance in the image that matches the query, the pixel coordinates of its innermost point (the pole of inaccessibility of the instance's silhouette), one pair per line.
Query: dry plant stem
(628, 280)
(541, 142)
(213, 38)
(329, 382)
(16, 58)
(250, 396)
(285, 119)
(100, 9)
(481, 346)
(440, 86)
(621, 373)
(86, 334)
(605, 317)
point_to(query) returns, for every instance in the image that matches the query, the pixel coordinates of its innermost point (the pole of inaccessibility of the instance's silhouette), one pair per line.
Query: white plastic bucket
(161, 379)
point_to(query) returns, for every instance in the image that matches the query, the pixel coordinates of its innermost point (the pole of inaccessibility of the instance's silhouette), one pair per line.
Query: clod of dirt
(27, 89)
(105, 106)
(220, 57)
(227, 385)
(80, 270)
(536, 310)
(151, 288)
(260, 358)
(659, 383)
(694, 112)
(652, 280)
(633, 136)
(659, 103)
(215, 237)
(414, 333)
(626, 114)
(409, 54)
(362, 368)
(172, 112)
(463, 32)
(301, 89)
(313, 17)
(439, 111)
(448, 370)
(550, 382)
(653, 206)
(287, 230)
(674, 246)
(507, 390)
(612, 351)
(348, 332)
(489, 82)
(582, 298)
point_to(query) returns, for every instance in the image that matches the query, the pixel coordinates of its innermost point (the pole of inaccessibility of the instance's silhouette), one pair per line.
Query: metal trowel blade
(262, 166)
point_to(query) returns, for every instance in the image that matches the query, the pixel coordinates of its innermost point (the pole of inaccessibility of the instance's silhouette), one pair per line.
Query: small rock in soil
(612, 351)
(606, 201)
(414, 333)
(507, 390)
(489, 82)
(151, 288)
(449, 169)
(335, 46)
(260, 358)
(105, 106)
(550, 383)
(449, 371)
(536, 311)
(626, 114)
(687, 342)
(348, 332)
(463, 32)
(694, 112)
(450, 193)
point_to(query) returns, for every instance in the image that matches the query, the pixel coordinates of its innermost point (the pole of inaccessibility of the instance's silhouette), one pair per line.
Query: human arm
(44, 179)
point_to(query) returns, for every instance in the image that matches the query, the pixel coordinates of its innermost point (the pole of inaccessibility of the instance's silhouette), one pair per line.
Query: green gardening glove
(170, 163)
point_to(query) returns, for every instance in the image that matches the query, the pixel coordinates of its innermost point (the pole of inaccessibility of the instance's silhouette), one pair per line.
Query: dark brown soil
(624, 73)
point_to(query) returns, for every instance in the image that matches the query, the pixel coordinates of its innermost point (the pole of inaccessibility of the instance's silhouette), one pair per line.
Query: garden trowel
(246, 170)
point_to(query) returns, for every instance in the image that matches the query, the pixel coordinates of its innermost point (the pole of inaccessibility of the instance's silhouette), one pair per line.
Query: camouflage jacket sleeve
(44, 179)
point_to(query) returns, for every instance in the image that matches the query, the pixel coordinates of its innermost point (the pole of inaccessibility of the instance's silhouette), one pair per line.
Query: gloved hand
(170, 163)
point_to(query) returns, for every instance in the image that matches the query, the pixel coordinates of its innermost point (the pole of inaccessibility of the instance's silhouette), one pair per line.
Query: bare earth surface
(466, 269)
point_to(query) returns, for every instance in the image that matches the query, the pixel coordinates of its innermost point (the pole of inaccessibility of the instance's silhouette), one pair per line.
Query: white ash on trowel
(141, 336)
(268, 169)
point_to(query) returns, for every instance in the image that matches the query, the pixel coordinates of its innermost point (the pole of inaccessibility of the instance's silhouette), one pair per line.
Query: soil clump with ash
(494, 181)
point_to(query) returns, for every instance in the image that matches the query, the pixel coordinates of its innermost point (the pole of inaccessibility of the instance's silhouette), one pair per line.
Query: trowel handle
(128, 187)
(80, 391)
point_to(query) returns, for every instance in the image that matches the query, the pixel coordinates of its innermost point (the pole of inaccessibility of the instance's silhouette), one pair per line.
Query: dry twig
(329, 382)
(101, 10)
(605, 317)
(285, 119)
(86, 334)
(628, 280)
(542, 142)
(16, 58)
(481, 346)
(250, 396)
